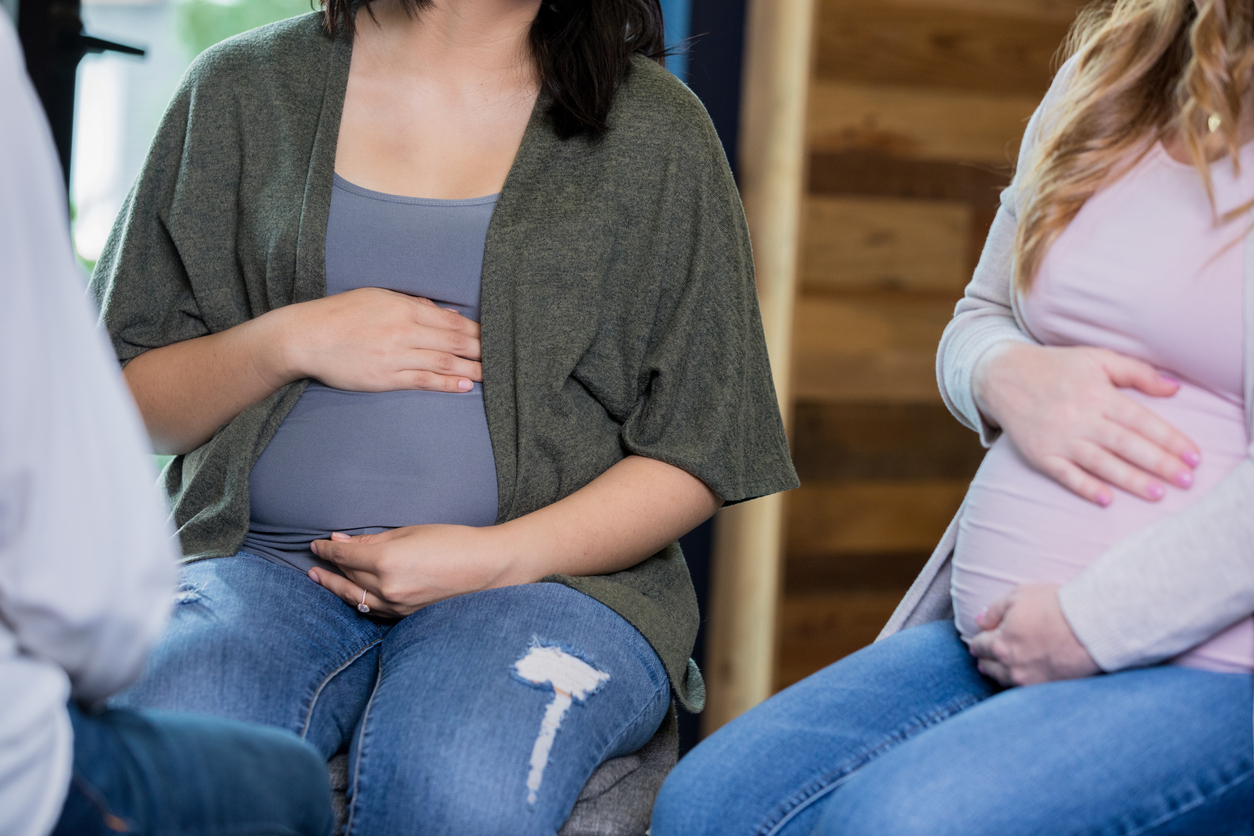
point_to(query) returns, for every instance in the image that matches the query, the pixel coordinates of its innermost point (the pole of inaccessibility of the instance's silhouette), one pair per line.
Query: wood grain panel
(1058, 11)
(882, 441)
(818, 629)
(878, 571)
(878, 42)
(865, 348)
(867, 517)
(880, 175)
(918, 123)
(886, 244)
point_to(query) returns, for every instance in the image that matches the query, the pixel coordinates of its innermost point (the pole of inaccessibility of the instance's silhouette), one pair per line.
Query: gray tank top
(362, 462)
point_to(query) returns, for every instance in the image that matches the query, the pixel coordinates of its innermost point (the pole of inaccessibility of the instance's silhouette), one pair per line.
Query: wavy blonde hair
(1144, 70)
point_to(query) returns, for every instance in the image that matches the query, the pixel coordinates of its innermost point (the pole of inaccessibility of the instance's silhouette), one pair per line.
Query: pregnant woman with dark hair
(1103, 341)
(446, 310)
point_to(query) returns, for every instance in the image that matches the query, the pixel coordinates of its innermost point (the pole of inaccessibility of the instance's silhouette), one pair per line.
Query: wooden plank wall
(915, 112)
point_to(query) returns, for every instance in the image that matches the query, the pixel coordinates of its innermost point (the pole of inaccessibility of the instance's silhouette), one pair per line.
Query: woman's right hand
(1063, 410)
(375, 340)
(365, 340)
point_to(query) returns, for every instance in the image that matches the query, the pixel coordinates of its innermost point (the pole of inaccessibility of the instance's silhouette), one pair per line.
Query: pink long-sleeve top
(1143, 270)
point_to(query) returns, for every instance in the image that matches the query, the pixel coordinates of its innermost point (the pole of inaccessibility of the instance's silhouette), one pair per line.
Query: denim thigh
(254, 641)
(493, 709)
(1163, 750)
(163, 773)
(771, 770)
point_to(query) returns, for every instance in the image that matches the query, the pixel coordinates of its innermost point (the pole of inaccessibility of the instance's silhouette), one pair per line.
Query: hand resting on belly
(1063, 409)
(363, 340)
(1026, 640)
(1024, 636)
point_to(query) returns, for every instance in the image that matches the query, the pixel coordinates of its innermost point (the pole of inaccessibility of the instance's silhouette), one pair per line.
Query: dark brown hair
(582, 49)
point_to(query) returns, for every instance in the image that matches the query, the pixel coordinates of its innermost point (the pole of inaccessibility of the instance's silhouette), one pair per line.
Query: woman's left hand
(405, 569)
(1026, 640)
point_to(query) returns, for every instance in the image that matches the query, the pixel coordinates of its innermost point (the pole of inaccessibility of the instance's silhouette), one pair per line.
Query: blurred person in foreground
(87, 563)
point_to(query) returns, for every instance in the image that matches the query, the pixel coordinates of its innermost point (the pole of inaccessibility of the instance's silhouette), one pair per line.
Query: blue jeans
(906, 737)
(159, 773)
(448, 725)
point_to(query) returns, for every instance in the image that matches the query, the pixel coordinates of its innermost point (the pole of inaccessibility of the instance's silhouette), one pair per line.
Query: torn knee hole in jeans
(572, 680)
(188, 593)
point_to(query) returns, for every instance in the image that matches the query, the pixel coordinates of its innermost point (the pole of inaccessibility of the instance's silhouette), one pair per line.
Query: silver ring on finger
(363, 607)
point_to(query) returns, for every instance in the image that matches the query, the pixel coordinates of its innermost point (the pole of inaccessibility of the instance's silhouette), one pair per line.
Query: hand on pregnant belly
(1062, 408)
(375, 340)
(1026, 640)
(405, 569)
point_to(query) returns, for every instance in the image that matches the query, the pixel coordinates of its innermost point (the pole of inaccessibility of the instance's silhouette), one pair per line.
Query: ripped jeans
(481, 714)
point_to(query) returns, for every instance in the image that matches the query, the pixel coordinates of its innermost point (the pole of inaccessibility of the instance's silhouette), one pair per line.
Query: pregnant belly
(355, 461)
(1019, 526)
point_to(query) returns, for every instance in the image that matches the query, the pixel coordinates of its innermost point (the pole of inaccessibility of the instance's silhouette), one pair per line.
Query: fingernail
(1184, 478)
(1103, 499)
(1168, 378)
(465, 385)
(1192, 459)
(313, 547)
(979, 619)
(313, 575)
(339, 535)
(1156, 491)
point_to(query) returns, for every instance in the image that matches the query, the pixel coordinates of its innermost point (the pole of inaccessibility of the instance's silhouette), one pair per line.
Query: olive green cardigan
(619, 313)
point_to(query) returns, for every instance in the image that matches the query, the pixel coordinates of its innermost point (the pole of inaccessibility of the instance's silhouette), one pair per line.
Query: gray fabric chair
(616, 801)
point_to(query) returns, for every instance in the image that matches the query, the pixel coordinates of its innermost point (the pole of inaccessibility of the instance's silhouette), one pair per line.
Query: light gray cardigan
(1156, 592)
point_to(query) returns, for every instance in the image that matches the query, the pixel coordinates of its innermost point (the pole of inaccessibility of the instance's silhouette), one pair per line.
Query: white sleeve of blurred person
(87, 558)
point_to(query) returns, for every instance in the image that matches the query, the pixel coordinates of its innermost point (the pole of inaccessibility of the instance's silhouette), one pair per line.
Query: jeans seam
(98, 800)
(830, 781)
(361, 748)
(1167, 818)
(313, 703)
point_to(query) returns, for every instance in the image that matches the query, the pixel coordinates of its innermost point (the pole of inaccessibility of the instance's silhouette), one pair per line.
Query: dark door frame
(51, 32)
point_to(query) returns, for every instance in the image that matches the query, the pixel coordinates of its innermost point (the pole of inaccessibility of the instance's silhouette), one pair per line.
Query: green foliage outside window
(202, 23)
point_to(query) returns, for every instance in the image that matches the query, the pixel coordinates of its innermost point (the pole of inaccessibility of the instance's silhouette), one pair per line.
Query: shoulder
(653, 110)
(279, 53)
(1046, 115)
(1039, 128)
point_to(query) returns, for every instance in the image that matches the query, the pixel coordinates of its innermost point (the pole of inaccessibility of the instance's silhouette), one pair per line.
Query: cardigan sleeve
(177, 224)
(706, 401)
(140, 282)
(1171, 585)
(984, 317)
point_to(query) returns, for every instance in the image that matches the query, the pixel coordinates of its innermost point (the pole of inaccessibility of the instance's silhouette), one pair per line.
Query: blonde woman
(1100, 350)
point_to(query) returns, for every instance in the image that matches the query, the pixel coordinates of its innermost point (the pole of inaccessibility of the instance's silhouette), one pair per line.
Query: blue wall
(678, 17)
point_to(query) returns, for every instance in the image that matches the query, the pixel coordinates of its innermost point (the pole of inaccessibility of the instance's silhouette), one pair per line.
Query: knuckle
(1058, 469)
(1086, 457)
